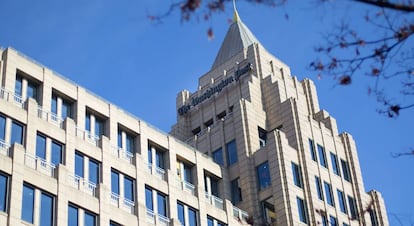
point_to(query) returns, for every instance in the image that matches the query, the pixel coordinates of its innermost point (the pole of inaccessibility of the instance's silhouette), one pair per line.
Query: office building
(283, 160)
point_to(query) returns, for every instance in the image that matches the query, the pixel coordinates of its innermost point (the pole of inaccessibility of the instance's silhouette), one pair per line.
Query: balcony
(156, 219)
(82, 184)
(125, 204)
(239, 214)
(123, 154)
(4, 148)
(157, 171)
(186, 186)
(87, 136)
(8, 96)
(215, 201)
(49, 117)
(39, 164)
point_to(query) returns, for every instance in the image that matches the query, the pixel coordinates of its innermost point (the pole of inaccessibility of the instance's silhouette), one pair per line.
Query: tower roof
(237, 38)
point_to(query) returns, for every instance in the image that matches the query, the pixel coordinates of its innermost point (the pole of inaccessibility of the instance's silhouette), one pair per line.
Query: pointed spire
(237, 38)
(236, 17)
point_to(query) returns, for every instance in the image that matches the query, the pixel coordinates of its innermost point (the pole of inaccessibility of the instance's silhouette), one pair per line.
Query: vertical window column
(37, 206)
(4, 192)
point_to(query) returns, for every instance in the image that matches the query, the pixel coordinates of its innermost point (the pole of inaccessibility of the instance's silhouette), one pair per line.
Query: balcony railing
(163, 220)
(49, 117)
(129, 205)
(186, 186)
(6, 95)
(4, 148)
(87, 136)
(157, 171)
(239, 214)
(82, 184)
(126, 204)
(215, 201)
(39, 164)
(123, 154)
(150, 216)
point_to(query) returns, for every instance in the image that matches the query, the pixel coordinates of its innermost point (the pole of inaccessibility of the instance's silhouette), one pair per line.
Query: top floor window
(25, 88)
(231, 150)
(158, 154)
(126, 141)
(345, 170)
(335, 166)
(61, 107)
(312, 150)
(184, 171)
(94, 124)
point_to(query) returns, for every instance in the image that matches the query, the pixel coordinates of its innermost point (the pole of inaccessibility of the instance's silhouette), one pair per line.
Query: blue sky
(112, 49)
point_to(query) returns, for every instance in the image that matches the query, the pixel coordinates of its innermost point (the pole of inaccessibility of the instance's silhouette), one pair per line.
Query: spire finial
(236, 17)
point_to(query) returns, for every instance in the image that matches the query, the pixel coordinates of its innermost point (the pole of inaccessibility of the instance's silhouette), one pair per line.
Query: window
(129, 188)
(352, 208)
(262, 137)
(373, 217)
(184, 171)
(92, 167)
(89, 218)
(61, 107)
(46, 210)
(322, 156)
(211, 221)
(345, 170)
(148, 199)
(341, 200)
(319, 187)
(57, 152)
(263, 175)
(335, 166)
(324, 220)
(187, 215)
(126, 141)
(72, 216)
(162, 204)
(180, 212)
(3, 192)
(44, 206)
(25, 88)
(333, 221)
(16, 133)
(302, 210)
(159, 155)
(56, 149)
(41, 146)
(328, 194)
(152, 196)
(114, 182)
(94, 124)
(2, 128)
(312, 150)
(236, 193)
(297, 178)
(28, 204)
(113, 223)
(231, 150)
(269, 210)
(218, 156)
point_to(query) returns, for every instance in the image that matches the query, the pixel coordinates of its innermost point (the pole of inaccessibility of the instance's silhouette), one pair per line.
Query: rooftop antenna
(236, 17)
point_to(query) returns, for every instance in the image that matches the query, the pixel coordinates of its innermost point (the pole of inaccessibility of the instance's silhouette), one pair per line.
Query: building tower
(282, 158)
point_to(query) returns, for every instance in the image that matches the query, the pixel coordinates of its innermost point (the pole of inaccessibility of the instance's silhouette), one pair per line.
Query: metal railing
(49, 117)
(129, 205)
(239, 214)
(150, 216)
(6, 95)
(4, 148)
(123, 154)
(39, 164)
(157, 171)
(186, 186)
(163, 220)
(115, 199)
(215, 201)
(87, 136)
(82, 184)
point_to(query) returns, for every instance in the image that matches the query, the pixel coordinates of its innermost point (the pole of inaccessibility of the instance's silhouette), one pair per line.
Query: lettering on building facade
(215, 89)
